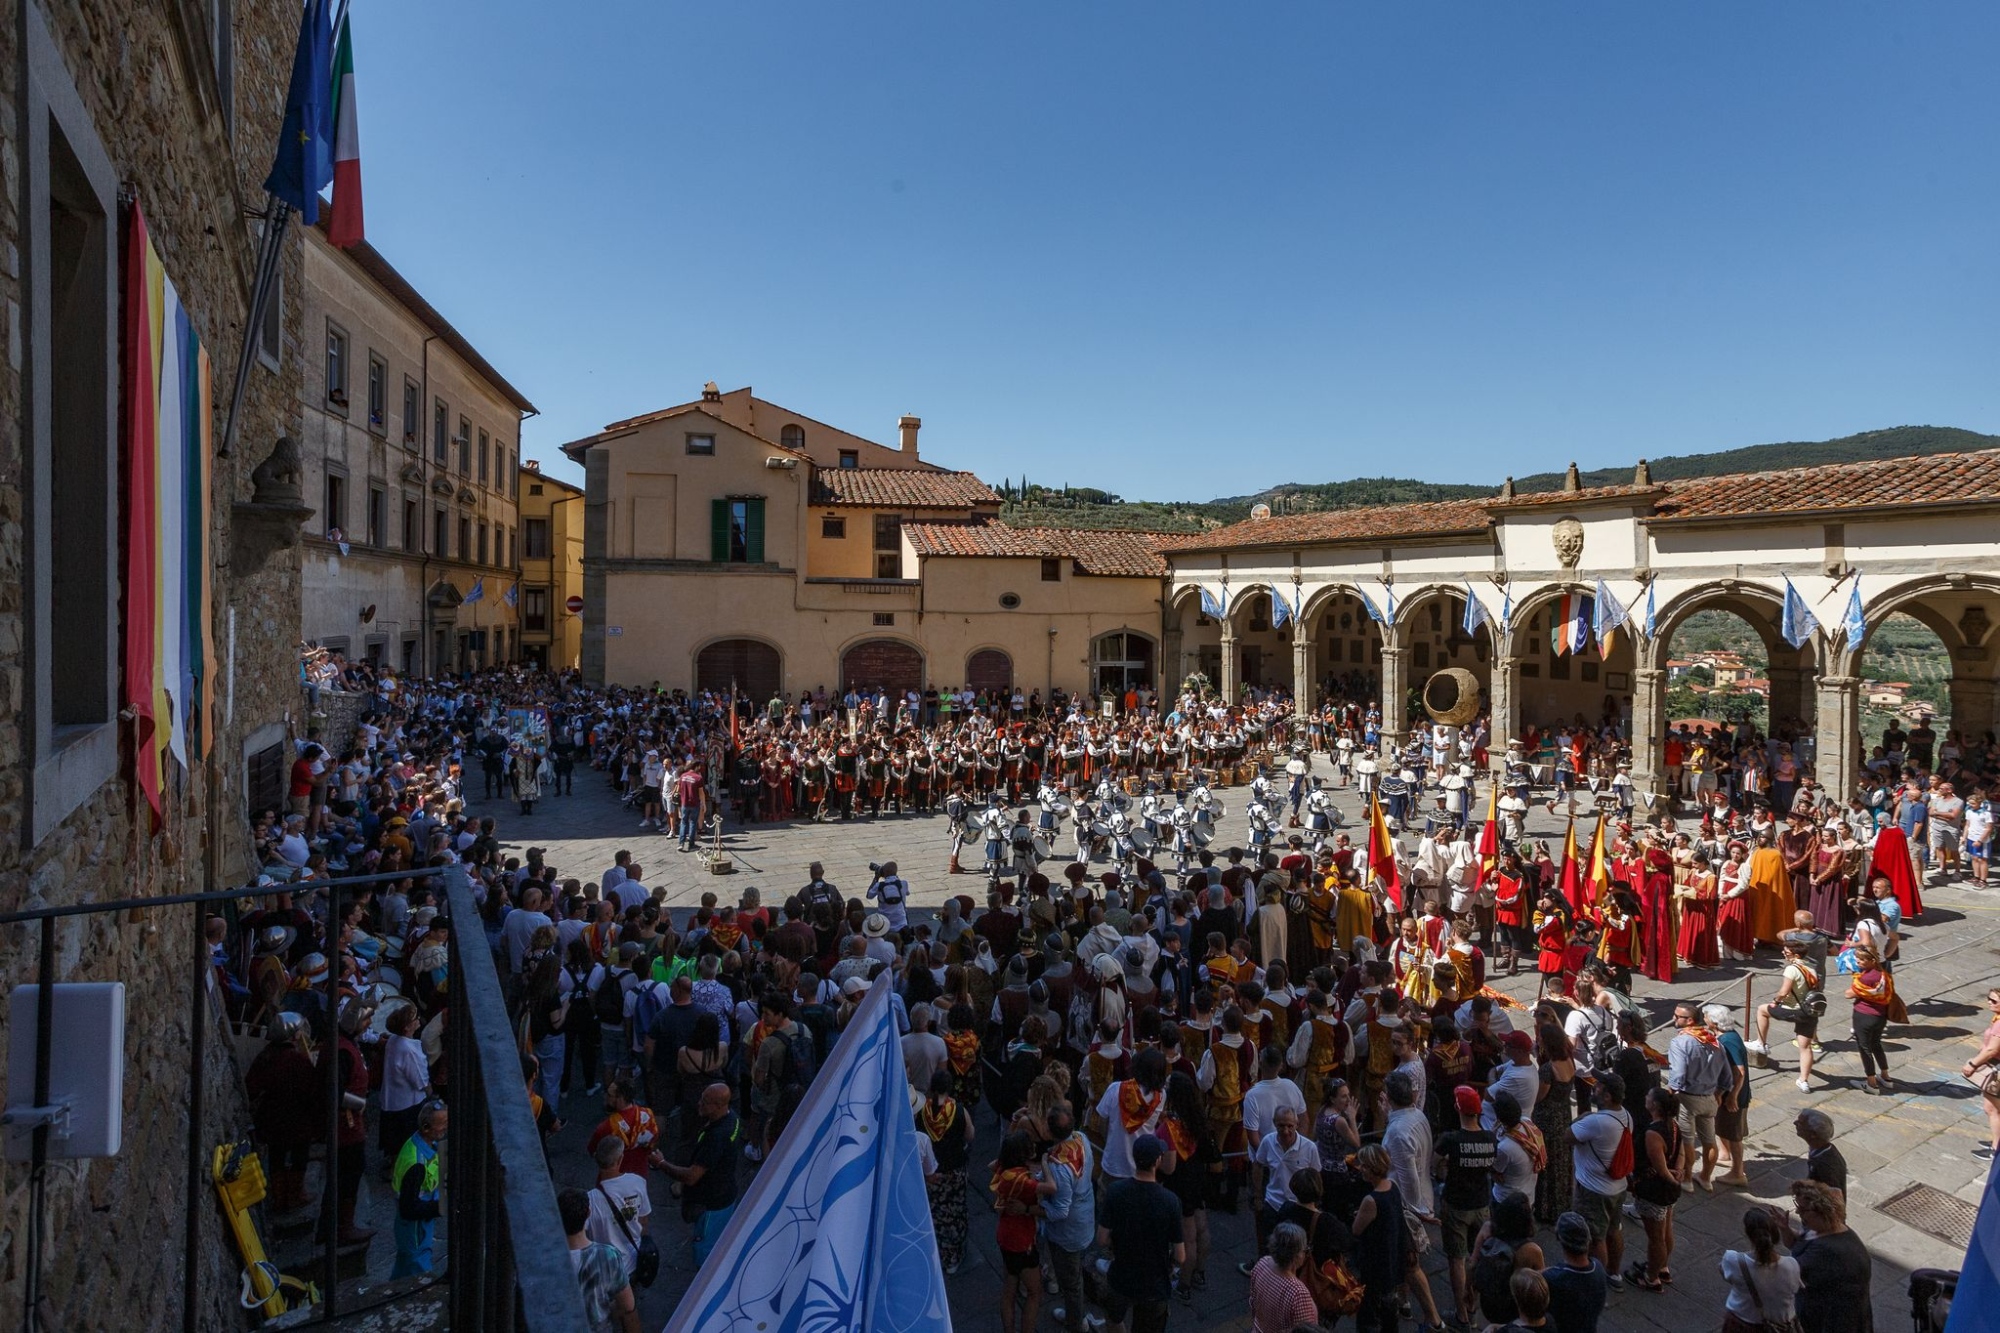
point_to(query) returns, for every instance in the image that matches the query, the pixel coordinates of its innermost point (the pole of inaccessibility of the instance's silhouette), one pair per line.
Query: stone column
(1395, 691)
(1173, 662)
(1838, 743)
(1649, 725)
(1971, 703)
(1302, 671)
(1500, 697)
(1226, 685)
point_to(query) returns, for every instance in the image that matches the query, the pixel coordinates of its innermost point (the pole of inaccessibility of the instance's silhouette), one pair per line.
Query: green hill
(1896, 442)
(1029, 504)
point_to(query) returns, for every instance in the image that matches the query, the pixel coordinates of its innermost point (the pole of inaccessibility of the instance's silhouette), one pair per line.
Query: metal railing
(507, 1262)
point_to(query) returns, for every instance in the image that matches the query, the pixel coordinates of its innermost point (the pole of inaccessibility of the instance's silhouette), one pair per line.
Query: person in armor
(993, 828)
(1021, 846)
(958, 810)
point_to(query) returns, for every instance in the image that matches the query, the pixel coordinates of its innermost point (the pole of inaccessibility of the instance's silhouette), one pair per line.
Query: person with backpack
(1801, 1000)
(1603, 1160)
(1697, 1071)
(783, 1068)
(1658, 1169)
(612, 985)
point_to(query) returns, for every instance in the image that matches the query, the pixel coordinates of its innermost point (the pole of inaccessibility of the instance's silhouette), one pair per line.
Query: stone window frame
(69, 763)
(413, 423)
(340, 355)
(378, 394)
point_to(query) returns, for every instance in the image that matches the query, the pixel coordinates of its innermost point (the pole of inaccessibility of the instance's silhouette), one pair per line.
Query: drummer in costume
(846, 778)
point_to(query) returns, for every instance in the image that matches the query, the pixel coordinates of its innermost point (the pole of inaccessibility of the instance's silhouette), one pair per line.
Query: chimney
(1642, 475)
(907, 428)
(1572, 480)
(710, 394)
(1507, 489)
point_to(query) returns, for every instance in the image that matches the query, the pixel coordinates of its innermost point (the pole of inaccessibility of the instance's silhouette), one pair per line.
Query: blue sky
(1187, 250)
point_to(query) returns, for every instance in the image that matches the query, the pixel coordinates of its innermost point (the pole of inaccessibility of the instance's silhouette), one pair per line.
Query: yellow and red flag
(1597, 883)
(1571, 884)
(1382, 854)
(1489, 840)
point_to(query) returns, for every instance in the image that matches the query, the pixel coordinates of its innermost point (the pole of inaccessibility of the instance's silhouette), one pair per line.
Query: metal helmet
(312, 968)
(355, 1013)
(275, 939)
(286, 1027)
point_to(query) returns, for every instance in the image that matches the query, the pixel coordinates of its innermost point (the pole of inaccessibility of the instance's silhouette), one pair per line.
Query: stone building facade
(174, 105)
(732, 541)
(411, 444)
(551, 569)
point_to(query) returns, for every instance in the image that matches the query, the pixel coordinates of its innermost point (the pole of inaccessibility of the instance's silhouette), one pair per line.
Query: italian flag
(345, 227)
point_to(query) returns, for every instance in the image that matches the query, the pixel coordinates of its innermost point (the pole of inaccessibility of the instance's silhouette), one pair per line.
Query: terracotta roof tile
(1116, 553)
(1877, 483)
(1340, 525)
(900, 488)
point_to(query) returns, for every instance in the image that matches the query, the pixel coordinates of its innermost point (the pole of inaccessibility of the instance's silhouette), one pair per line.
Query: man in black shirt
(1577, 1285)
(1139, 1224)
(1467, 1155)
(708, 1183)
(1824, 1162)
(670, 1031)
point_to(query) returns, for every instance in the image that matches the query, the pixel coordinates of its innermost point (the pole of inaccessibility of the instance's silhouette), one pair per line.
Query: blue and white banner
(1213, 606)
(478, 593)
(1651, 610)
(1476, 613)
(1855, 622)
(834, 1234)
(1797, 622)
(1281, 610)
(1506, 613)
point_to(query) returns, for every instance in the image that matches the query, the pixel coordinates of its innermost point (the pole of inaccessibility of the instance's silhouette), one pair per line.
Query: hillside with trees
(1039, 504)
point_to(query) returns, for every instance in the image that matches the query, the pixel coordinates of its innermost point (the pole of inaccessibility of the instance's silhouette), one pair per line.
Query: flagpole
(270, 254)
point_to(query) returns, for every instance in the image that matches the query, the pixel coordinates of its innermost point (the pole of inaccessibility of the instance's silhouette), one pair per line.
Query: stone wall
(144, 74)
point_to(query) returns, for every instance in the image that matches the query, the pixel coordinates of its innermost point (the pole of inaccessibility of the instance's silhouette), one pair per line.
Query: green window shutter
(718, 530)
(753, 529)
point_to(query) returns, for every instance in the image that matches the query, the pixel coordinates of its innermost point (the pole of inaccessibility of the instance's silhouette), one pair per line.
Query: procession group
(1302, 1027)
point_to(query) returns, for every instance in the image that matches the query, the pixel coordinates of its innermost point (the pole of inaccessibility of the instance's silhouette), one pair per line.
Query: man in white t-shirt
(1946, 826)
(1599, 1196)
(631, 891)
(1517, 1076)
(1148, 1086)
(1978, 836)
(618, 1197)
(1271, 1093)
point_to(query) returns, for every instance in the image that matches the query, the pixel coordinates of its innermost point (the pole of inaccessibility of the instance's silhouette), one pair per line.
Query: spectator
(1069, 1212)
(1140, 1227)
(620, 1204)
(1531, 1298)
(414, 1178)
(601, 1274)
(1732, 1113)
(1601, 1139)
(1465, 1158)
(1656, 1188)
(1824, 1162)
(948, 1124)
(1381, 1242)
(1279, 1297)
(1017, 1196)
(1980, 1069)
(1697, 1071)
(1407, 1140)
(1834, 1266)
(1281, 1152)
(1763, 1284)
(708, 1181)
(1577, 1287)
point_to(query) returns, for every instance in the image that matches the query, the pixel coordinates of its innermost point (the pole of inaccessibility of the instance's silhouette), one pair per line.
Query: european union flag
(303, 165)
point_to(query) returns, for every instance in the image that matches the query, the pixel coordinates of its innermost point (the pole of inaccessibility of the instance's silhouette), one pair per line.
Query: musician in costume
(846, 778)
(1228, 1068)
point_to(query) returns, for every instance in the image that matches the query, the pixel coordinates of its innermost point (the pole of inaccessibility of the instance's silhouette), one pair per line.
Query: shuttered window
(736, 531)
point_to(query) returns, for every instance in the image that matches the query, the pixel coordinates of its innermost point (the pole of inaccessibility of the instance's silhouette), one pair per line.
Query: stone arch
(1429, 628)
(1953, 606)
(754, 666)
(1757, 604)
(989, 669)
(881, 660)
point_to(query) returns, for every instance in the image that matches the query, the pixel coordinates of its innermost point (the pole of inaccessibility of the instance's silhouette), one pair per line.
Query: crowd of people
(1293, 1028)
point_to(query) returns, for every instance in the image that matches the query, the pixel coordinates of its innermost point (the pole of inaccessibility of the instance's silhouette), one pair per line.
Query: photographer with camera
(892, 891)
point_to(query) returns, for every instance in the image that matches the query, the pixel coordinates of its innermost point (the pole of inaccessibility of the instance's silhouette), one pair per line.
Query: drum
(389, 1009)
(1099, 830)
(1183, 783)
(954, 807)
(1143, 841)
(389, 979)
(1200, 836)
(1132, 786)
(1045, 846)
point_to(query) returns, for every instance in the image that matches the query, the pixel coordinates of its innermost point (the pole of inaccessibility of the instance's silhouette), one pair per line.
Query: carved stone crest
(1568, 538)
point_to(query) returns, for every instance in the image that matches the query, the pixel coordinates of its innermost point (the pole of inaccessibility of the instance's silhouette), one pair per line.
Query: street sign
(575, 605)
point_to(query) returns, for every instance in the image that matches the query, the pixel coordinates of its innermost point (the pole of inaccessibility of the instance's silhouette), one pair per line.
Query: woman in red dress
(1656, 897)
(1732, 914)
(1698, 910)
(1511, 902)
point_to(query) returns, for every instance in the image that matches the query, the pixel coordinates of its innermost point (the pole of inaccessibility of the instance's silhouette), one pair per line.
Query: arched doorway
(989, 670)
(1121, 660)
(751, 665)
(889, 664)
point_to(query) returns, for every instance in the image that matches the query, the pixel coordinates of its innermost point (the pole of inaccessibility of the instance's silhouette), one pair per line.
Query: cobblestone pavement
(1923, 1134)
